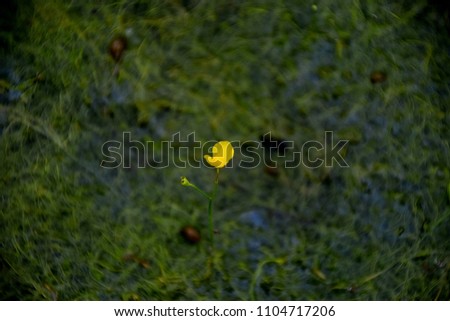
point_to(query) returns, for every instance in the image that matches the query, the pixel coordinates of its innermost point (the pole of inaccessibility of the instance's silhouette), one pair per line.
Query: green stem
(216, 183)
(200, 191)
(211, 227)
(210, 209)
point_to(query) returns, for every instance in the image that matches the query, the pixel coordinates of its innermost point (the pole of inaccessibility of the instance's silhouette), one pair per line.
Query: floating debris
(378, 77)
(190, 234)
(53, 295)
(117, 47)
(130, 257)
(318, 273)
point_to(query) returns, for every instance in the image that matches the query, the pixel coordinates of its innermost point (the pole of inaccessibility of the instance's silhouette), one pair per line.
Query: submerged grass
(377, 230)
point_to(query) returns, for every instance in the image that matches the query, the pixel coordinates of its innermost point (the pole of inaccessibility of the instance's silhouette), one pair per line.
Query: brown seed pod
(117, 46)
(190, 234)
(378, 77)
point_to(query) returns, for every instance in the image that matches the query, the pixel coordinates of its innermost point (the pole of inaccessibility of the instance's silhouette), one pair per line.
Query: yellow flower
(222, 153)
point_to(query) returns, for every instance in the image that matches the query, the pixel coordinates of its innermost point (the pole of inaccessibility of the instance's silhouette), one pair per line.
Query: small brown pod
(378, 77)
(190, 234)
(117, 46)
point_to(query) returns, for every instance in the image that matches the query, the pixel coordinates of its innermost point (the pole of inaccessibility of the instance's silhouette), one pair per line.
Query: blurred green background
(375, 73)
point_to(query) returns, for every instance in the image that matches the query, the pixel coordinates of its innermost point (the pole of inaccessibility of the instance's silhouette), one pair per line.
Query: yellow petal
(216, 162)
(223, 152)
